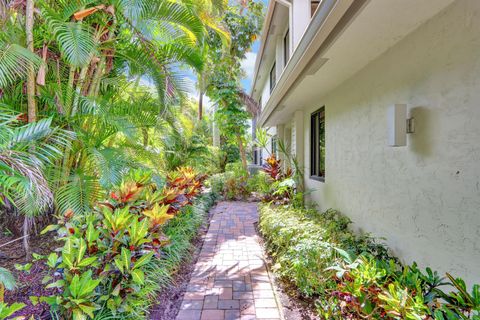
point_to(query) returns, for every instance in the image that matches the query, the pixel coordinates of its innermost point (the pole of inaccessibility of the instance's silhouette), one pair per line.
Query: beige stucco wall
(425, 197)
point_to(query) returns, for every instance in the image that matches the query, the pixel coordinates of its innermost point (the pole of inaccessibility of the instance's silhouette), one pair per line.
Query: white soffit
(378, 27)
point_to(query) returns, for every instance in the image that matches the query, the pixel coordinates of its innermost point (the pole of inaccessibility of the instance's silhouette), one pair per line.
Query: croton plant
(105, 252)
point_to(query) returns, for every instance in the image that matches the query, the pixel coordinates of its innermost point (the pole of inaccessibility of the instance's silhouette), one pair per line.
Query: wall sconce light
(399, 125)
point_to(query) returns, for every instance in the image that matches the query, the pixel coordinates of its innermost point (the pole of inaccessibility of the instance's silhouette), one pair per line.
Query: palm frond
(78, 194)
(14, 62)
(75, 40)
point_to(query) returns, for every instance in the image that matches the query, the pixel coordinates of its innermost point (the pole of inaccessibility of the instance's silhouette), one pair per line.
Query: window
(286, 48)
(317, 145)
(273, 77)
(274, 145)
(314, 5)
(255, 156)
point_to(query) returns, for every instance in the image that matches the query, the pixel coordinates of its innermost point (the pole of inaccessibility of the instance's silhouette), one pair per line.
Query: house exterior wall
(301, 14)
(423, 198)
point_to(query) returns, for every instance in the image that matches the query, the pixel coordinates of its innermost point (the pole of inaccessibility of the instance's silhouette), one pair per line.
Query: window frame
(286, 48)
(273, 145)
(314, 4)
(273, 76)
(317, 130)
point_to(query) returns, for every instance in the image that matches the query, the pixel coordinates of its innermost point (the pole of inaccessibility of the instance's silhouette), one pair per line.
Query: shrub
(355, 277)
(105, 264)
(232, 184)
(259, 182)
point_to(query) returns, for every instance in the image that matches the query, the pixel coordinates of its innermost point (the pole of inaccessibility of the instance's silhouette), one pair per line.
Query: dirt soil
(294, 306)
(170, 299)
(28, 283)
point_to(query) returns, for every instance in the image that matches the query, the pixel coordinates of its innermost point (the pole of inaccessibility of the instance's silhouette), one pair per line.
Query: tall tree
(91, 52)
(243, 21)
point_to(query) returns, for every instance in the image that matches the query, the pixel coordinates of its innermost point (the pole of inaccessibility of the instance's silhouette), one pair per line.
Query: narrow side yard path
(230, 280)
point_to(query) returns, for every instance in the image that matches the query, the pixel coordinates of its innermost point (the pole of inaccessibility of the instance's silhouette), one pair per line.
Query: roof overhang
(267, 30)
(342, 38)
(327, 16)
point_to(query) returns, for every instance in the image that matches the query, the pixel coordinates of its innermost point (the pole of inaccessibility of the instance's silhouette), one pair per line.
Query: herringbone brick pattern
(230, 280)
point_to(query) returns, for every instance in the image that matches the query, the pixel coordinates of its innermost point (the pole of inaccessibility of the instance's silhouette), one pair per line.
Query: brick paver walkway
(230, 280)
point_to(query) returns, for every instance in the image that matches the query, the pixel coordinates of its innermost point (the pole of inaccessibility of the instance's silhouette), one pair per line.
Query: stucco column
(280, 137)
(279, 57)
(301, 12)
(299, 152)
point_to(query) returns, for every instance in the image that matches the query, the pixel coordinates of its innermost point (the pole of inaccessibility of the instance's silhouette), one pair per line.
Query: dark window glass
(314, 5)
(286, 48)
(274, 145)
(317, 145)
(273, 78)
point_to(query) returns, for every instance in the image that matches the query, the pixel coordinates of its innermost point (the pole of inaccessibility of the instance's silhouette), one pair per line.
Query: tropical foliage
(354, 276)
(106, 253)
(89, 90)
(101, 87)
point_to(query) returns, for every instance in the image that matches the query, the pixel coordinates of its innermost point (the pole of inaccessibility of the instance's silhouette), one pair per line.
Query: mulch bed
(170, 299)
(28, 283)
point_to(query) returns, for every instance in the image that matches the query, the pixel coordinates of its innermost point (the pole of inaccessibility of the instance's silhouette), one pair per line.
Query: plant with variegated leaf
(113, 244)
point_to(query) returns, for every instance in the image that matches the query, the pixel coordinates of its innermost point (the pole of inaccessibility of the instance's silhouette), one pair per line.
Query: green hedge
(353, 276)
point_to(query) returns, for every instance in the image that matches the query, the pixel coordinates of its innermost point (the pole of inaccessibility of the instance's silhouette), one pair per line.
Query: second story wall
(301, 13)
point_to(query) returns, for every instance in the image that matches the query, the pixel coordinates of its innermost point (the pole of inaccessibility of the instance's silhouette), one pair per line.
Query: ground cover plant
(354, 276)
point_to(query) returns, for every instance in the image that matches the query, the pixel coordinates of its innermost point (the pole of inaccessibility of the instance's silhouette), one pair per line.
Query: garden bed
(342, 275)
(168, 274)
(28, 284)
(294, 305)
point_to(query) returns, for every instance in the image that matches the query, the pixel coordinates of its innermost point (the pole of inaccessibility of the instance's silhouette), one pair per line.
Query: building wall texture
(423, 198)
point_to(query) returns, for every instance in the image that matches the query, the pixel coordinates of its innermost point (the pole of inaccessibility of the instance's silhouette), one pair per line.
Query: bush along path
(230, 280)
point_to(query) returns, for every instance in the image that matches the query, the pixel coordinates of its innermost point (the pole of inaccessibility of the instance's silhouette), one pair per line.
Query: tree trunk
(26, 244)
(200, 106)
(145, 137)
(32, 109)
(241, 148)
(31, 106)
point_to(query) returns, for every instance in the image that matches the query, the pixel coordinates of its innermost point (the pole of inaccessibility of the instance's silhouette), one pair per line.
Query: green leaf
(52, 260)
(8, 310)
(76, 42)
(56, 284)
(143, 260)
(88, 309)
(14, 62)
(75, 286)
(91, 234)
(79, 315)
(126, 257)
(7, 279)
(47, 279)
(34, 300)
(52, 227)
(68, 253)
(87, 261)
(82, 247)
(138, 276)
(87, 284)
(116, 290)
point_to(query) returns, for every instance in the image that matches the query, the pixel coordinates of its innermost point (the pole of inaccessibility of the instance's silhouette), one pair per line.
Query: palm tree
(83, 56)
(22, 179)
